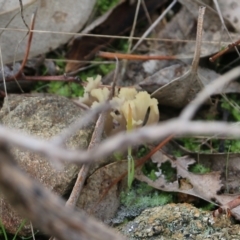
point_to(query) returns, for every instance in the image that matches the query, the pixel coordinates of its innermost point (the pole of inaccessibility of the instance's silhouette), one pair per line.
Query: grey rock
(44, 117)
(179, 221)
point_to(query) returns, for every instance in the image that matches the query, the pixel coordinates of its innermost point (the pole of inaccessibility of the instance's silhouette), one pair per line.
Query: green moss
(142, 151)
(230, 103)
(191, 144)
(103, 6)
(168, 172)
(177, 153)
(104, 69)
(208, 207)
(199, 168)
(118, 156)
(65, 89)
(149, 170)
(143, 196)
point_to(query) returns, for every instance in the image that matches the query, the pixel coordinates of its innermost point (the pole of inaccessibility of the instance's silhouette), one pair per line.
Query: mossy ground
(229, 105)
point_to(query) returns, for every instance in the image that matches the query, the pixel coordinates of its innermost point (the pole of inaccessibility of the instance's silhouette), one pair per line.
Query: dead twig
(222, 52)
(95, 141)
(123, 140)
(21, 10)
(118, 142)
(134, 56)
(19, 73)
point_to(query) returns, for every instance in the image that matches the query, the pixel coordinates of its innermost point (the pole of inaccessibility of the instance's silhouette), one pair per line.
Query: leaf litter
(177, 93)
(205, 186)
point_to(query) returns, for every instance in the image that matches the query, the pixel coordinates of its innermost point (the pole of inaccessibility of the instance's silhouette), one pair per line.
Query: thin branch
(135, 57)
(197, 52)
(226, 208)
(119, 141)
(222, 52)
(123, 140)
(28, 45)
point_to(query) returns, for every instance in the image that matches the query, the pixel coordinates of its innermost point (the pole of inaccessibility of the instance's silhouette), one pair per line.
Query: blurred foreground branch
(46, 211)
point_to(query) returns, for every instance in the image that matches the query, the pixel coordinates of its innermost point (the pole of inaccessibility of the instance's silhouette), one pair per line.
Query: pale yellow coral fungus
(139, 106)
(100, 94)
(93, 94)
(127, 93)
(144, 108)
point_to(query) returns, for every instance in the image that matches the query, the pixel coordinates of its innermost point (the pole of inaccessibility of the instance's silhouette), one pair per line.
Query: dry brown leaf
(205, 186)
(173, 72)
(180, 91)
(227, 163)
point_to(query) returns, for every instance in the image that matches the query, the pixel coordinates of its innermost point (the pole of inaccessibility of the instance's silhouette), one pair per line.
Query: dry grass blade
(197, 53)
(156, 22)
(21, 10)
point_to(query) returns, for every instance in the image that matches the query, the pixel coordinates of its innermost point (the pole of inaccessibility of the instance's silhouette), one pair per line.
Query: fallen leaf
(204, 186)
(173, 72)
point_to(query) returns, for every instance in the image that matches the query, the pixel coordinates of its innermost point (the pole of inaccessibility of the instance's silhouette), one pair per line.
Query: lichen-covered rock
(179, 221)
(44, 117)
